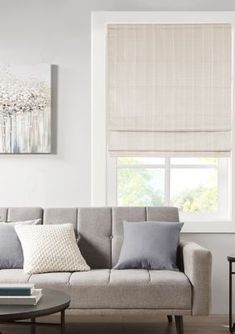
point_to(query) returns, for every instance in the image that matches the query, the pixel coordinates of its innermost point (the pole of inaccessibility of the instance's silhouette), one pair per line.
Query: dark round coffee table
(52, 301)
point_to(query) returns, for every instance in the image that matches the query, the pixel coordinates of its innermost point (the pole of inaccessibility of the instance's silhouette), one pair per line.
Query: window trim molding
(99, 161)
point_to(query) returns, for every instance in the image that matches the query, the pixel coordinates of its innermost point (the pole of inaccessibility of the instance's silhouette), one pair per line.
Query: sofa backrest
(100, 230)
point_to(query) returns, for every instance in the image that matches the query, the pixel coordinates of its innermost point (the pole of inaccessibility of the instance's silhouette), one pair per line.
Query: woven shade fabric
(169, 89)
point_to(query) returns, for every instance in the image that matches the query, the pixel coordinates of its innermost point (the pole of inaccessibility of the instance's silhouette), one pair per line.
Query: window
(197, 186)
(154, 111)
(104, 169)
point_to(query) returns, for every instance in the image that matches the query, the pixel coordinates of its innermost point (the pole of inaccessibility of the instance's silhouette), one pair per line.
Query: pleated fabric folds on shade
(169, 89)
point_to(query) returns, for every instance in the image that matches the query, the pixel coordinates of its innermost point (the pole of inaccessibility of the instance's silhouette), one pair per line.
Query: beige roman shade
(169, 89)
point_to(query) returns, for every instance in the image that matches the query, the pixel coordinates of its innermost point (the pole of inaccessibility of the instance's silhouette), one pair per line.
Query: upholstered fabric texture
(149, 245)
(197, 265)
(95, 236)
(101, 237)
(23, 214)
(50, 248)
(100, 229)
(11, 255)
(115, 289)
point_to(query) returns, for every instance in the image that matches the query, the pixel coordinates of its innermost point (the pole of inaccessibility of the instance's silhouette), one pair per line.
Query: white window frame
(100, 173)
(222, 169)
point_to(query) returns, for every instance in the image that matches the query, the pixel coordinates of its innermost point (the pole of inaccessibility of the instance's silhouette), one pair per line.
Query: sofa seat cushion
(106, 289)
(13, 276)
(134, 288)
(57, 280)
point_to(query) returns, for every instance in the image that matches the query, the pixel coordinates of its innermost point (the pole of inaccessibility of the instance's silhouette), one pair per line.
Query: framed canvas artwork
(25, 109)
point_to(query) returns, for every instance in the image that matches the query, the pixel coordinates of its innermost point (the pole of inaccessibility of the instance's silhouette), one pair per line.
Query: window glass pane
(194, 190)
(140, 186)
(194, 161)
(140, 161)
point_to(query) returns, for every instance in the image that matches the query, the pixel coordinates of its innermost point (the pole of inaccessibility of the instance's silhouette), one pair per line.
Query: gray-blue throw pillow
(11, 254)
(149, 245)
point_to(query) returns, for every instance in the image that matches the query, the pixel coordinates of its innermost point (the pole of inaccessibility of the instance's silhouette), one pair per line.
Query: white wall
(58, 32)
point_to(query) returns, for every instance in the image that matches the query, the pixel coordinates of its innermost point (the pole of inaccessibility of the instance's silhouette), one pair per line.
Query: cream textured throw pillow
(49, 248)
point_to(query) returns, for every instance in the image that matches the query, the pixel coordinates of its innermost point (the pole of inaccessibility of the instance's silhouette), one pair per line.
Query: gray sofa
(126, 293)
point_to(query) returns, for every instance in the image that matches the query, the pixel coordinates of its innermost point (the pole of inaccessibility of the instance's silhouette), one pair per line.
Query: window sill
(225, 226)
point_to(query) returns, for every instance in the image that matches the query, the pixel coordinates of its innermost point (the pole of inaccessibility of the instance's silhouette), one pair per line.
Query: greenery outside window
(197, 186)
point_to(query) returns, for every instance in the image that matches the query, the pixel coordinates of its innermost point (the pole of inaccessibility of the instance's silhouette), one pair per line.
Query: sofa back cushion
(100, 230)
(95, 232)
(18, 214)
(60, 216)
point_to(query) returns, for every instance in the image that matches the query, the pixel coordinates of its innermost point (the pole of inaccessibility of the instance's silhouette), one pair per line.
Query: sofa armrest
(196, 262)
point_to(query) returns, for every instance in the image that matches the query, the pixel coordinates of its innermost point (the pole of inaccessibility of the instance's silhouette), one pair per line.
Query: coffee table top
(52, 301)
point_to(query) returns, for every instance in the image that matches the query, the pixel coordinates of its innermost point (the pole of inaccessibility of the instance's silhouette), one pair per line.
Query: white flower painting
(25, 108)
